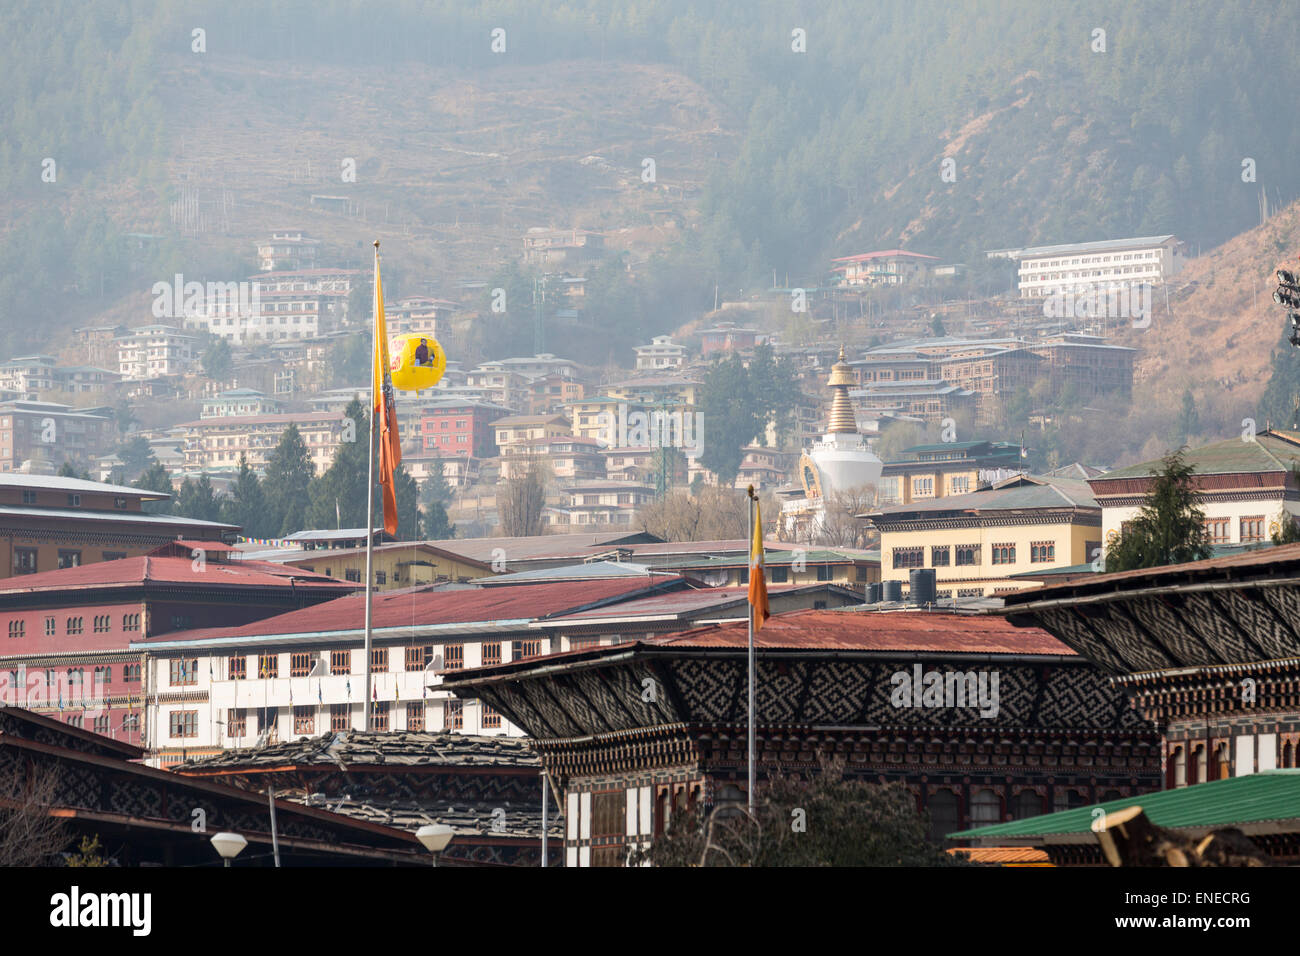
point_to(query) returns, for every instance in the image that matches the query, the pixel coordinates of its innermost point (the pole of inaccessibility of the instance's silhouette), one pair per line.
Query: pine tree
(338, 495)
(197, 500)
(246, 503)
(289, 472)
(1170, 528)
(156, 478)
(1189, 419)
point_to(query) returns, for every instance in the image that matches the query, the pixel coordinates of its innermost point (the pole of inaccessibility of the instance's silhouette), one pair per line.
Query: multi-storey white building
(661, 353)
(152, 351)
(302, 673)
(1074, 267)
(218, 442)
(281, 306)
(287, 249)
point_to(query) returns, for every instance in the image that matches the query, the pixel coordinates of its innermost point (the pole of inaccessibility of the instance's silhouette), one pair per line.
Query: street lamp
(435, 837)
(229, 845)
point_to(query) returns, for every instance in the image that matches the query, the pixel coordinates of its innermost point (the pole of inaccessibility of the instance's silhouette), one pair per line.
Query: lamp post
(435, 837)
(229, 845)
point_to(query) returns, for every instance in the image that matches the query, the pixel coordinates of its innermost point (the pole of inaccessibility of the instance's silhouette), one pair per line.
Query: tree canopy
(1170, 528)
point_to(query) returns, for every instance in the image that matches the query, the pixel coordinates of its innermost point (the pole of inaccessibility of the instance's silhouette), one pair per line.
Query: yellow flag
(757, 578)
(384, 409)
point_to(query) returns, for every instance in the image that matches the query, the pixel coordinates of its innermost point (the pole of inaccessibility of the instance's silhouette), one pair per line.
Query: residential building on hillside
(930, 401)
(515, 430)
(418, 315)
(218, 443)
(729, 337)
(600, 502)
(37, 437)
(452, 428)
(70, 629)
(662, 354)
(1243, 486)
(396, 564)
(568, 457)
(240, 401)
(977, 543)
(302, 304)
(1088, 364)
(948, 468)
(562, 247)
(154, 351)
(1074, 267)
(890, 267)
(97, 345)
(287, 250)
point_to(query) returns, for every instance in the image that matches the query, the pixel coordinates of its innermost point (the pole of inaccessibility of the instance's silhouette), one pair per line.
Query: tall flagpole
(370, 500)
(749, 512)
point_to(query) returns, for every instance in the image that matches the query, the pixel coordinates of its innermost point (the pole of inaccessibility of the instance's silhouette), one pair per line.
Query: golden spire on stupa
(842, 418)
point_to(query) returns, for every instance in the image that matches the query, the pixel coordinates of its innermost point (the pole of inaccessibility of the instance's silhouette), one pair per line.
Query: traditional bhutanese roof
(1020, 493)
(356, 748)
(1264, 802)
(592, 571)
(886, 254)
(1082, 248)
(1271, 451)
(163, 524)
(779, 558)
(326, 554)
(540, 546)
(683, 605)
(425, 609)
(145, 570)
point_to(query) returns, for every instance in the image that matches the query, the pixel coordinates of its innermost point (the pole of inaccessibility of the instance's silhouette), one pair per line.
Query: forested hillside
(836, 149)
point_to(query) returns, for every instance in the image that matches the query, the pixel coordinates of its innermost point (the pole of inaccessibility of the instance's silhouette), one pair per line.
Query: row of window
(185, 723)
(306, 664)
(967, 555)
(101, 623)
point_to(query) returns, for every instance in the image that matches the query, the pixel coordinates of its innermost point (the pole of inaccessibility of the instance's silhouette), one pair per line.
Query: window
(1252, 529)
(304, 720)
(131, 724)
(268, 665)
(381, 577)
(24, 560)
(340, 662)
(73, 625)
(909, 557)
(524, 649)
(29, 497)
(49, 627)
(236, 723)
(379, 717)
(1220, 530)
(114, 555)
(119, 503)
(454, 716)
(69, 558)
(181, 621)
(941, 557)
(970, 592)
(1004, 554)
(184, 723)
(16, 628)
(184, 671)
(415, 715)
(454, 657)
(1040, 551)
(131, 672)
(75, 721)
(130, 622)
(779, 575)
(491, 653)
(417, 656)
(237, 668)
(491, 717)
(968, 554)
(340, 717)
(353, 574)
(960, 484)
(101, 725)
(103, 623)
(922, 487)
(74, 501)
(299, 665)
(379, 660)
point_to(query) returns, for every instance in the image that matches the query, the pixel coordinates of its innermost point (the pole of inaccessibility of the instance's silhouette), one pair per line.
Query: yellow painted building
(978, 543)
(398, 565)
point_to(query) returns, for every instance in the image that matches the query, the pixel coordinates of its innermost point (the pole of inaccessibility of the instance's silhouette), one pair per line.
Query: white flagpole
(370, 498)
(749, 511)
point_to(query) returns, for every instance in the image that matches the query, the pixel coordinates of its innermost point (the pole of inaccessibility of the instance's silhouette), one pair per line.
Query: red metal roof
(422, 607)
(912, 631)
(145, 569)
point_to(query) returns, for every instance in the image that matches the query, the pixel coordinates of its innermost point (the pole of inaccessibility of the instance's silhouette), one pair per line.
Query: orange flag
(382, 395)
(757, 578)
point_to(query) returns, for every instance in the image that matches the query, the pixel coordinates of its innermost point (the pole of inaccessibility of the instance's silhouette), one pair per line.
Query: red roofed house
(981, 720)
(890, 267)
(67, 653)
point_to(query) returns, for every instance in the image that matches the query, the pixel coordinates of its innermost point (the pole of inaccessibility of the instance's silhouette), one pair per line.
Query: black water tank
(891, 590)
(922, 583)
(873, 592)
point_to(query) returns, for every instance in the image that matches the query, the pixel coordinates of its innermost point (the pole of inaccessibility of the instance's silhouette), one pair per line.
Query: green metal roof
(1271, 451)
(775, 559)
(1271, 795)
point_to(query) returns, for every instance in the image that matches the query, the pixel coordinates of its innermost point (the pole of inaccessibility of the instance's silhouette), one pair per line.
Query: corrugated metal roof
(147, 569)
(594, 571)
(1271, 795)
(1271, 451)
(434, 606)
(1033, 493)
